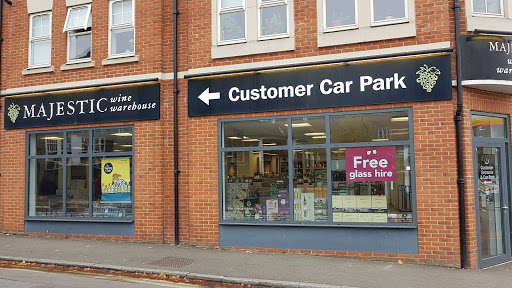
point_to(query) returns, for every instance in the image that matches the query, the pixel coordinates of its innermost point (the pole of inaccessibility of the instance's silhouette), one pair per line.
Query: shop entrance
(492, 189)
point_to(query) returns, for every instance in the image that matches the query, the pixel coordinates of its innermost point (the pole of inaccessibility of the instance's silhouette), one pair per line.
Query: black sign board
(486, 58)
(108, 104)
(424, 78)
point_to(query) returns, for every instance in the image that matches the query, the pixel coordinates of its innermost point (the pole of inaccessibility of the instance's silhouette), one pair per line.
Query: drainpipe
(458, 132)
(176, 92)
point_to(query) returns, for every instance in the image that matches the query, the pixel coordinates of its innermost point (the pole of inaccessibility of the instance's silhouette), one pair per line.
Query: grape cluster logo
(14, 111)
(428, 77)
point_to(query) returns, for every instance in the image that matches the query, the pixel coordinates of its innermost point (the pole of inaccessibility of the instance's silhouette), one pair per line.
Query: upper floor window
(122, 28)
(488, 7)
(78, 26)
(40, 39)
(273, 18)
(488, 15)
(389, 11)
(340, 14)
(232, 20)
(248, 27)
(236, 20)
(343, 22)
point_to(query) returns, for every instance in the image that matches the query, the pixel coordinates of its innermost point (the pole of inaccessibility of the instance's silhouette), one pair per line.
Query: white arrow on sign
(206, 96)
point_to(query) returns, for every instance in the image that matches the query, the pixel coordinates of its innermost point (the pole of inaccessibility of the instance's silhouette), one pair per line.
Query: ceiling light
(296, 125)
(269, 144)
(251, 140)
(380, 140)
(314, 134)
(234, 138)
(52, 138)
(122, 134)
(319, 137)
(126, 145)
(399, 119)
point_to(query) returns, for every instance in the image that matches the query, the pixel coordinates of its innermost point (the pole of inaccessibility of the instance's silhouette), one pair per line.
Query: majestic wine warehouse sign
(108, 104)
(486, 58)
(423, 78)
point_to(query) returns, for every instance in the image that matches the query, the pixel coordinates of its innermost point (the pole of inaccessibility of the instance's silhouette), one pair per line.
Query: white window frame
(37, 39)
(75, 31)
(391, 21)
(342, 27)
(120, 26)
(268, 4)
(231, 10)
(86, 24)
(486, 14)
(74, 34)
(489, 21)
(366, 30)
(253, 44)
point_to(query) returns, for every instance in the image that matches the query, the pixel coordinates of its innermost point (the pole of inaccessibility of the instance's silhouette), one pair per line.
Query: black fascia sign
(104, 105)
(486, 57)
(423, 78)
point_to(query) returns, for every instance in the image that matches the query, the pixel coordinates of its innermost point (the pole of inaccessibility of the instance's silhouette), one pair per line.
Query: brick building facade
(248, 173)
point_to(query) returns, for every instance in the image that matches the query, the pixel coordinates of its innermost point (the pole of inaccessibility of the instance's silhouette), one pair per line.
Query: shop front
(490, 70)
(80, 156)
(331, 179)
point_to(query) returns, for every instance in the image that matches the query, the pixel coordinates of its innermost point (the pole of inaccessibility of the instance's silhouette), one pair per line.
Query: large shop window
(348, 168)
(81, 174)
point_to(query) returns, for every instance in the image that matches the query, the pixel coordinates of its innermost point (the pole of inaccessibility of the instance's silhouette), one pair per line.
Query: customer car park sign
(399, 80)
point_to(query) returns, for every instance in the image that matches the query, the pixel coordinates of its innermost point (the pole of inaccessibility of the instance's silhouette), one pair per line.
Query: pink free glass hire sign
(371, 164)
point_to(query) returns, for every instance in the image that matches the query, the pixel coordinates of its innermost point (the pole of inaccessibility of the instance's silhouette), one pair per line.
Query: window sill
(75, 219)
(488, 23)
(120, 60)
(38, 70)
(367, 34)
(72, 66)
(77, 2)
(328, 225)
(254, 47)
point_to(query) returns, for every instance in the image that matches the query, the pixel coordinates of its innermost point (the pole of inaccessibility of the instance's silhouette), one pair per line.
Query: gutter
(458, 132)
(325, 62)
(175, 124)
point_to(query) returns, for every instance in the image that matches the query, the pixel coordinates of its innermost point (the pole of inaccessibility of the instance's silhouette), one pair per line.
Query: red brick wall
(434, 134)
(149, 37)
(477, 100)
(432, 25)
(153, 27)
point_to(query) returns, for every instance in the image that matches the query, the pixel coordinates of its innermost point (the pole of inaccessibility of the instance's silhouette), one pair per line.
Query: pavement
(243, 266)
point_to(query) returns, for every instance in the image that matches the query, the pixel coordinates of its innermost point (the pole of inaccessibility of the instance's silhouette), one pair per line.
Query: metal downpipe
(175, 104)
(458, 132)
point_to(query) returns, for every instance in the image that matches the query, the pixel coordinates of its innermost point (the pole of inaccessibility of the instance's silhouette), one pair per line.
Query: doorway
(491, 147)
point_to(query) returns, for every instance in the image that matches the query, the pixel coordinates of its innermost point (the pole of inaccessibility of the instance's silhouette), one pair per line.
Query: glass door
(493, 204)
